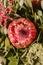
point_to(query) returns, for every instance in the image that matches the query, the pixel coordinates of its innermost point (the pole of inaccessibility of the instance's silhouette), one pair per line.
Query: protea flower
(3, 16)
(21, 32)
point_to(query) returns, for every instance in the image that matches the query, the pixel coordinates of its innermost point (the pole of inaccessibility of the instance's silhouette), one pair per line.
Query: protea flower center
(21, 32)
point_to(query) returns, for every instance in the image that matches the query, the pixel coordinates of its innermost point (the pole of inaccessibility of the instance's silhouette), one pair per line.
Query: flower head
(21, 32)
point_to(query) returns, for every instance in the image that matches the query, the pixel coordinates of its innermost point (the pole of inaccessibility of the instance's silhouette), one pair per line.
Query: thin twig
(38, 36)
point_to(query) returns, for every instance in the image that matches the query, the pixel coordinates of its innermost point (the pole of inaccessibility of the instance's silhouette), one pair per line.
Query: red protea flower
(3, 16)
(9, 10)
(2, 9)
(21, 32)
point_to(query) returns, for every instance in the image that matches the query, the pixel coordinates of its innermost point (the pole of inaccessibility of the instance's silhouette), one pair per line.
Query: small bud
(39, 12)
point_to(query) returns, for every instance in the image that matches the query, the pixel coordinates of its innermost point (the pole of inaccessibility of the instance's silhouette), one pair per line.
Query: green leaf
(7, 43)
(28, 3)
(2, 44)
(12, 63)
(15, 7)
(13, 60)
